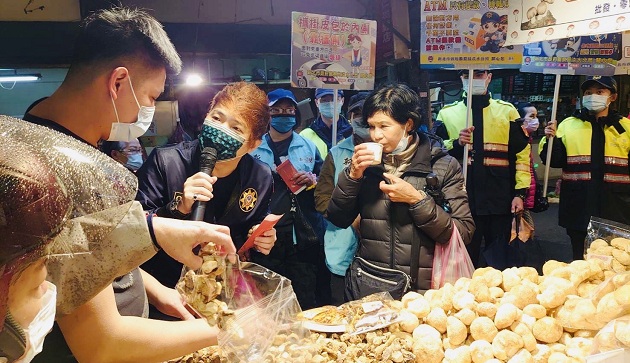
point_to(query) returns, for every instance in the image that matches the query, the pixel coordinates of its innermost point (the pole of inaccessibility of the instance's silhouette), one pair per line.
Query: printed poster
(332, 52)
(542, 20)
(593, 55)
(459, 34)
(623, 66)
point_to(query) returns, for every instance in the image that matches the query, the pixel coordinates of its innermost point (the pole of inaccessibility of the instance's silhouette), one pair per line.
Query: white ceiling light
(20, 78)
(194, 80)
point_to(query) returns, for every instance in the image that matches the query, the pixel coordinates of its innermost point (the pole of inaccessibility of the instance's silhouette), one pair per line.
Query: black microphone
(206, 165)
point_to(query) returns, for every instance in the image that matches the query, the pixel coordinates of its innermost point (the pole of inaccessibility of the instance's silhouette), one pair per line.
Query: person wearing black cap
(498, 170)
(592, 148)
(299, 250)
(340, 244)
(320, 130)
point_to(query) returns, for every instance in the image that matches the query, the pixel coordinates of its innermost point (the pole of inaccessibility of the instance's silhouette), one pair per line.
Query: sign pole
(335, 118)
(471, 72)
(554, 111)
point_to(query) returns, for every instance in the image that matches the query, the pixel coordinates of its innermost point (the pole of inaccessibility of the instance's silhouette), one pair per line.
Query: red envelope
(287, 171)
(267, 224)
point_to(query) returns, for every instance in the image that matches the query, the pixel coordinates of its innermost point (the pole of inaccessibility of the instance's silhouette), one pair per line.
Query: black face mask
(12, 339)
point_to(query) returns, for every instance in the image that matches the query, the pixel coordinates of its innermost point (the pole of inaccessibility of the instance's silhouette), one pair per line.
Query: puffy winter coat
(388, 228)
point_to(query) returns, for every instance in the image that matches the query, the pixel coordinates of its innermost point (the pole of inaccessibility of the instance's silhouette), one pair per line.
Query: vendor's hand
(361, 159)
(178, 238)
(197, 187)
(550, 129)
(399, 190)
(265, 242)
(171, 303)
(465, 136)
(304, 178)
(517, 205)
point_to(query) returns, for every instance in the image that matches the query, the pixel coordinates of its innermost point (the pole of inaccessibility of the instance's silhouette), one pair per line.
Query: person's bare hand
(399, 190)
(171, 303)
(517, 205)
(304, 178)
(178, 238)
(197, 187)
(361, 159)
(550, 129)
(265, 242)
(465, 136)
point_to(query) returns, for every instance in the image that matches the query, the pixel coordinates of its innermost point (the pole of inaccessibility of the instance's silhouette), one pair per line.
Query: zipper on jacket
(360, 272)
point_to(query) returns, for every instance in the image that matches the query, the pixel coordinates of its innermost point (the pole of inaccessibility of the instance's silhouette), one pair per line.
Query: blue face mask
(327, 109)
(283, 124)
(225, 141)
(134, 161)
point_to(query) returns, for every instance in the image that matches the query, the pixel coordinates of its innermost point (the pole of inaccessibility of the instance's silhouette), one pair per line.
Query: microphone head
(208, 158)
(432, 180)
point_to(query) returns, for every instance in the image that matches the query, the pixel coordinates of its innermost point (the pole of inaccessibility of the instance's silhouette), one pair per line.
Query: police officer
(592, 148)
(498, 170)
(491, 23)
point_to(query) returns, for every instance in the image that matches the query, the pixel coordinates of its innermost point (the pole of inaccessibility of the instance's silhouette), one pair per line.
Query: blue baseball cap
(278, 94)
(321, 92)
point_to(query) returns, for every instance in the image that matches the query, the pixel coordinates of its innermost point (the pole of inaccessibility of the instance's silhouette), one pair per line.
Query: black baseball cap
(357, 100)
(605, 81)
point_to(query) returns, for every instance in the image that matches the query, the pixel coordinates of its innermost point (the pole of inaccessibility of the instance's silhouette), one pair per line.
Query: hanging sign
(594, 55)
(459, 34)
(542, 20)
(332, 52)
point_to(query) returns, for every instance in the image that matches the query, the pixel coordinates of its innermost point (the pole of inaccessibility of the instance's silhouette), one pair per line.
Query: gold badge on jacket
(248, 199)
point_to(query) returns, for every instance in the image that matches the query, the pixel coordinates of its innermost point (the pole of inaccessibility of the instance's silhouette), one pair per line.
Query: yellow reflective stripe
(617, 178)
(496, 162)
(521, 167)
(611, 160)
(576, 176)
(581, 159)
(495, 147)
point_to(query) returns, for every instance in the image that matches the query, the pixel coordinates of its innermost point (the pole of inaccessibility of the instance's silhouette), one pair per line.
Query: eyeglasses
(133, 150)
(282, 111)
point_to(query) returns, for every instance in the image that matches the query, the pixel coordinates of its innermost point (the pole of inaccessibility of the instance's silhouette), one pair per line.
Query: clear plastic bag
(264, 307)
(371, 313)
(608, 301)
(451, 261)
(608, 241)
(615, 335)
(250, 303)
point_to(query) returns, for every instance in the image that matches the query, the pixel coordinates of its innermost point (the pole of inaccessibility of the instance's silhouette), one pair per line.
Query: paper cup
(377, 149)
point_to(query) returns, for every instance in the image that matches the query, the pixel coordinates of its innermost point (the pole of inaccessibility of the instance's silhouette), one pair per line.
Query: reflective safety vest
(595, 173)
(503, 163)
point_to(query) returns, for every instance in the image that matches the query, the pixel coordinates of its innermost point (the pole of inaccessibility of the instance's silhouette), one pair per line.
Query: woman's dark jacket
(388, 228)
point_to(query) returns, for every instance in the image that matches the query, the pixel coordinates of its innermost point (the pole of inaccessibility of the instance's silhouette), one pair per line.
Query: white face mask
(41, 325)
(595, 103)
(479, 86)
(532, 125)
(402, 144)
(126, 132)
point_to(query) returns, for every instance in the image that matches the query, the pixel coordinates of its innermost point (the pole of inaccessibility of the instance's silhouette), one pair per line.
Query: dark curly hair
(397, 101)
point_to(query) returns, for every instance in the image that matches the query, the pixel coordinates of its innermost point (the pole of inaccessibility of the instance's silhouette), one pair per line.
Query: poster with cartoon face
(594, 55)
(332, 52)
(460, 34)
(543, 20)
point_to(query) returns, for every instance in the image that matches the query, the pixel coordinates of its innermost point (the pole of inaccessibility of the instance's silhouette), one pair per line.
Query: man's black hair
(112, 34)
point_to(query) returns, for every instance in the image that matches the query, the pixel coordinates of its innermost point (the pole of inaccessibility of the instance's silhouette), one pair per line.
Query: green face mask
(225, 141)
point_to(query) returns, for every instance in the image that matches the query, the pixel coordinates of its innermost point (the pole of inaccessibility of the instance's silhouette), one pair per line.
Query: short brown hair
(249, 102)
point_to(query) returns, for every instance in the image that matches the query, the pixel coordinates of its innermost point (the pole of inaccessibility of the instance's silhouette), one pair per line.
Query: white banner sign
(332, 52)
(541, 20)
